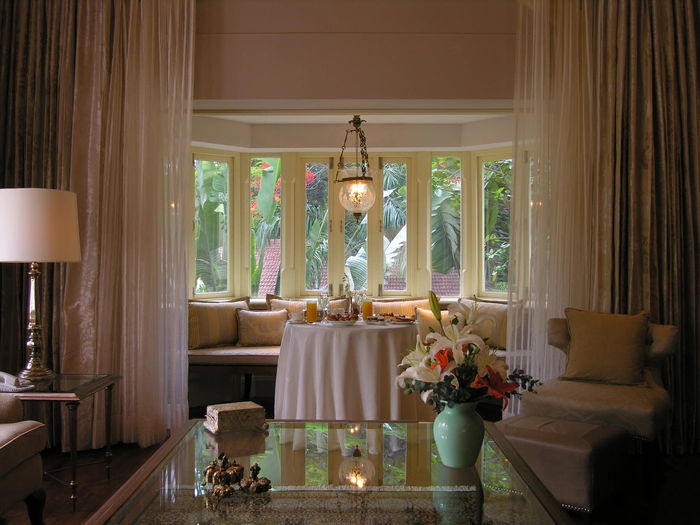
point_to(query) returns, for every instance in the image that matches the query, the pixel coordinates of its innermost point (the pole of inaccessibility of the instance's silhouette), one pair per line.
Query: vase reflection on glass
(456, 507)
(458, 433)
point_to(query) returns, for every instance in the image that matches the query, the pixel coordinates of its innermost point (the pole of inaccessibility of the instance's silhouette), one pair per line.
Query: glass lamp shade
(356, 192)
(356, 470)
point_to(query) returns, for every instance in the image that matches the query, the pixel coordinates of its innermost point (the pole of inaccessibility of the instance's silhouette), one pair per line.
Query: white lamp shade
(39, 225)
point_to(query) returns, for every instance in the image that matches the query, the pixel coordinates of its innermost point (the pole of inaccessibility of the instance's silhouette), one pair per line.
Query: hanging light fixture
(356, 190)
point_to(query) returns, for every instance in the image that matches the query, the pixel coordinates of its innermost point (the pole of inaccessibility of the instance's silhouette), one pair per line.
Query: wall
(253, 54)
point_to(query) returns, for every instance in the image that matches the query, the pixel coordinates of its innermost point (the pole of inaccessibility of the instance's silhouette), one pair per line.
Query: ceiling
(370, 118)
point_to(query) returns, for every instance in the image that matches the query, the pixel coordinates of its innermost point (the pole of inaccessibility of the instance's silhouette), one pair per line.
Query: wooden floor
(93, 486)
(672, 498)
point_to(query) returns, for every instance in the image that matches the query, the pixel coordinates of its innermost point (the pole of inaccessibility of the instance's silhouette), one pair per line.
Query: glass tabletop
(69, 387)
(305, 463)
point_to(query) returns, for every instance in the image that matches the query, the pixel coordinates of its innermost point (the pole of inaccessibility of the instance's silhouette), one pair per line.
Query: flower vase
(459, 433)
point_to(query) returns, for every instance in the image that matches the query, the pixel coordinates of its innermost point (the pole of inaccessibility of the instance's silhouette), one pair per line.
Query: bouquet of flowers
(457, 366)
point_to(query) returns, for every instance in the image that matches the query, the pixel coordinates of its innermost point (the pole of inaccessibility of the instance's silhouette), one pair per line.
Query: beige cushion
(606, 348)
(278, 303)
(426, 320)
(338, 302)
(261, 328)
(213, 323)
(494, 333)
(643, 412)
(400, 307)
(235, 356)
(287, 304)
(577, 462)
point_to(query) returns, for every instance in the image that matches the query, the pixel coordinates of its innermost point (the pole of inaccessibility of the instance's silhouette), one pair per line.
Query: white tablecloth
(346, 373)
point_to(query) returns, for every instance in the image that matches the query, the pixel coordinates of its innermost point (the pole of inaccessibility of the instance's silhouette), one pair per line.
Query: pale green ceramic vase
(459, 432)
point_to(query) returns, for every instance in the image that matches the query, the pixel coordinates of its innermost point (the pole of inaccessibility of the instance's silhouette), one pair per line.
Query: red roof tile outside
(271, 268)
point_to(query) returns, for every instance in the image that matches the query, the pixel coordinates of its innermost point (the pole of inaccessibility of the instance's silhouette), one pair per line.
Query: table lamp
(37, 225)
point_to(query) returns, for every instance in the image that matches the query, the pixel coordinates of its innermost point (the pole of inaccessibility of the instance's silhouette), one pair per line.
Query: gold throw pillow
(606, 348)
(212, 323)
(261, 328)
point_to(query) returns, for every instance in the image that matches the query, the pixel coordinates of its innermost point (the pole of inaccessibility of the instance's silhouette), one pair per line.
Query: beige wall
(325, 50)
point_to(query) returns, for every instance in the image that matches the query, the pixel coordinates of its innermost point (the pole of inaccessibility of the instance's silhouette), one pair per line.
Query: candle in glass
(311, 312)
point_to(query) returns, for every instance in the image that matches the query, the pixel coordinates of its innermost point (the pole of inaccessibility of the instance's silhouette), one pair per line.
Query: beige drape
(108, 92)
(607, 208)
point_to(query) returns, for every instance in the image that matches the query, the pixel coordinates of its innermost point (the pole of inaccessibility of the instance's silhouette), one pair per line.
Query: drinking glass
(360, 297)
(323, 302)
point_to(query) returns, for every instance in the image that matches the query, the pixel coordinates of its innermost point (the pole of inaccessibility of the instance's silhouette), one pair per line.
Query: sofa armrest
(663, 342)
(11, 410)
(558, 333)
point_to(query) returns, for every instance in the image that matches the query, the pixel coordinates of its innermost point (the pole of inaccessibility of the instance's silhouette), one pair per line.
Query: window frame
(293, 231)
(220, 156)
(477, 243)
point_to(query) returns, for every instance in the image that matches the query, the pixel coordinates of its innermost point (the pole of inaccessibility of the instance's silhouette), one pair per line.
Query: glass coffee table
(304, 462)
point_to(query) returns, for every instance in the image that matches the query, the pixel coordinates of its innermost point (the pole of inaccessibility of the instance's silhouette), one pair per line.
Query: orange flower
(495, 384)
(443, 358)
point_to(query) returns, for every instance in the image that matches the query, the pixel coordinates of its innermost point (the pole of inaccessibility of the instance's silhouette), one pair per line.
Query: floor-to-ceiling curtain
(126, 303)
(606, 209)
(121, 123)
(37, 41)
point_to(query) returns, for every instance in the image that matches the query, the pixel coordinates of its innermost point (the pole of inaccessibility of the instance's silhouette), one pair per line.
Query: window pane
(355, 248)
(446, 225)
(211, 226)
(497, 180)
(265, 247)
(316, 225)
(395, 446)
(395, 226)
(316, 471)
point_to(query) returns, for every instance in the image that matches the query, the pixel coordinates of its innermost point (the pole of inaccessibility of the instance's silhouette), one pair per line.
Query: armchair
(642, 410)
(21, 470)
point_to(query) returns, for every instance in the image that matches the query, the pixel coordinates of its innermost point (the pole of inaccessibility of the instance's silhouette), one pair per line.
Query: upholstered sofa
(231, 341)
(21, 469)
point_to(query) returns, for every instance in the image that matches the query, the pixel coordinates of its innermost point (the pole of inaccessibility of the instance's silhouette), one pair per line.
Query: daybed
(229, 342)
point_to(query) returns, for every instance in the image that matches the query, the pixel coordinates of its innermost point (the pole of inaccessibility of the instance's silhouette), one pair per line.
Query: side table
(71, 390)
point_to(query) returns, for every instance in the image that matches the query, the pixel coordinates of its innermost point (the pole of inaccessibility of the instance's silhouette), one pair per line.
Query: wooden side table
(71, 390)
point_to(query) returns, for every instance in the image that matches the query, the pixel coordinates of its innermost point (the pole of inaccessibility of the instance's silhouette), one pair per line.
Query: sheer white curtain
(554, 189)
(126, 303)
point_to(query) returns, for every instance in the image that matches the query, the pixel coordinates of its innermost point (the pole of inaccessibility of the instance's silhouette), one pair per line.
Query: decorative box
(234, 416)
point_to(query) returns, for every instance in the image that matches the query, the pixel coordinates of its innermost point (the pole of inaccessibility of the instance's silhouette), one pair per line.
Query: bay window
(272, 224)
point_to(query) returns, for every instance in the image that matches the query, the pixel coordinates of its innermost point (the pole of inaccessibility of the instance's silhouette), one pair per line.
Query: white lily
(454, 339)
(472, 316)
(489, 357)
(421, 372)
(415, 356)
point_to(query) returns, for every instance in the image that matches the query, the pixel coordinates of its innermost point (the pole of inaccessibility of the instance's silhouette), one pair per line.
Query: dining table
(332, 371)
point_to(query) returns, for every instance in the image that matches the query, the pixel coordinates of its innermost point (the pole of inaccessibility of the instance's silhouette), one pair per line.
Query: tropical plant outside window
(394, 220)
(316, 184)
(214, 187)
(265, 246)
(497, 184)
(446, 225)
(211, 226)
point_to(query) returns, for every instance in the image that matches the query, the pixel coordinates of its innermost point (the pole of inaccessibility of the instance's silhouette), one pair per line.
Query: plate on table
(292, 321)
(375, 320)
(401, 320)
(349, 322)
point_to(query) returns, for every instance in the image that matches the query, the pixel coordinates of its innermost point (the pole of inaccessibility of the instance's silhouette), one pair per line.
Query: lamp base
(35, 373)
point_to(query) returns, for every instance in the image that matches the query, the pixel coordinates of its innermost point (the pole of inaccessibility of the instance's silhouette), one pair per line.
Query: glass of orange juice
(366, 308)
(311, 312)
